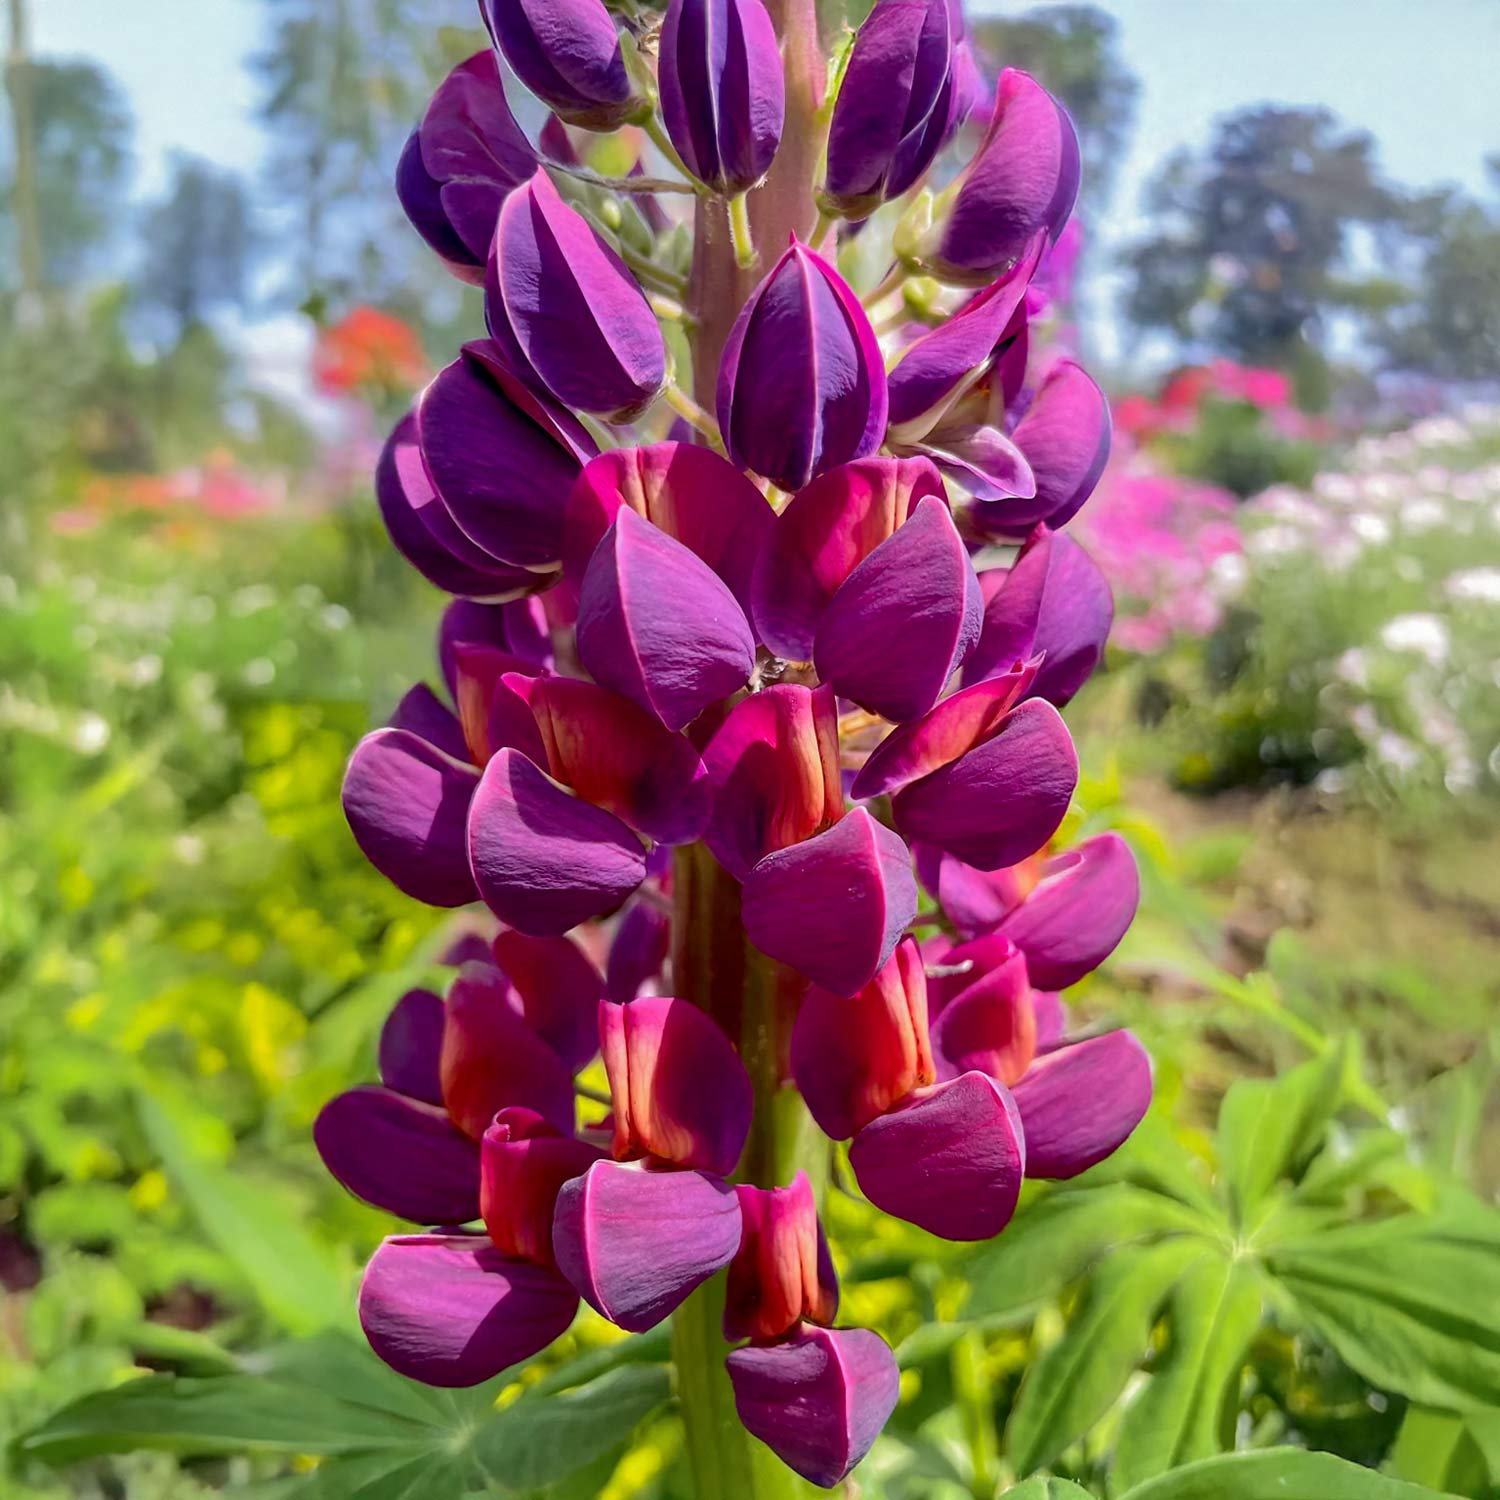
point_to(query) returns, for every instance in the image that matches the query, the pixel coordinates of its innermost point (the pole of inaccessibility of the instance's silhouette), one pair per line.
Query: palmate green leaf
(1212, 1316)
(1047, 1487)
(296, 1279)
(1407, 1302)
(1060, 1236)
(1276, 1474)
(1080, 1377)
(1268, 1127)
(1441, 1450)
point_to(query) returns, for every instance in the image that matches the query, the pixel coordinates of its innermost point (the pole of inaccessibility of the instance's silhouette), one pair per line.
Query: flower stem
(751, 997)
(689, 410)
(745, 253)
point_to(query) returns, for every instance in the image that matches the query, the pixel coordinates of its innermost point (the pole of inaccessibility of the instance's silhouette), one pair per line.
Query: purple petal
(950, 1161)
(973, 900)
(826, 531)
(544, 861)
(523, 1165)
(519, 628)
(833, 907)
(722, 92)
(411, 1044)
(501, 458)
(1023, 178)
(407, 804)
(854, 1058)
(638, 950)
(559, 989)
(679, 1090)
(491, 1058)
(689, 492)
(802, 380)
(1001, 801)
(567, 52)
(636, 1242)
(988, 464)
(426, 535)
(575, 311)
(1065, 436)
(818, 1399)
(658, 625)
(1076, 915)
(774, 770)
(933, 368)
(1080, 1102)
(451, 1310)
(1053, 603)
(988, 1025)
(904, 619)
(400, 1155)
(425, 715)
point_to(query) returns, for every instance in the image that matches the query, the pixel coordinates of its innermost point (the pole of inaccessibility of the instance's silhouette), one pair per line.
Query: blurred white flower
(90, 734)
(1423, 514)
(259, 672)
(1424, 634)
(1475, 583)
(1370, 528)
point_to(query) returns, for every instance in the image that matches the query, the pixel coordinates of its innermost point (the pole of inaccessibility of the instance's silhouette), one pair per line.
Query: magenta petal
(636, 1242)
(523, 1164)
(1065, 436)
(988, 1025)
(544, 861)
(834, 906)
(950, 1161)
(818, 1399)
(451, 1310)
(989, 465)
(411, 1044)
(400, 1155)
(659, 626)
(679, 1090)
(1080, 1102)
(773, 766)
(572, 306)
(407, 804)
(1002, 800)
(1075, 917)
(501, 458)
(518, 627)
(973, 900)
(492, 1059)
(692, 493)
(1053, 603)
(904, 619)
(782, 1272)
(825, 532)
(559, 990)
(426, 715)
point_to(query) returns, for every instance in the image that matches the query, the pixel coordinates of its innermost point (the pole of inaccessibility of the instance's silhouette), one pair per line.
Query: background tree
(1252, 252)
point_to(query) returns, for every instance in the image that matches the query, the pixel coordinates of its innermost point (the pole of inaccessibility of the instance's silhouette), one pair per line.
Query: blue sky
(1417, 73)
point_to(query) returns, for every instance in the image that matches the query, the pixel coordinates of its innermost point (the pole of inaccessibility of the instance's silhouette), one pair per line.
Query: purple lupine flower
(567, 311)
(701, 707)
(568, 53)
(898, 106)
(1023, 178)
(722, 93)
(802, 381)
(460, 162)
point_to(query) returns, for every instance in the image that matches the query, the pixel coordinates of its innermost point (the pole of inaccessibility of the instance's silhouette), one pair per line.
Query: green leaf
(1276, 1474)
(1076, 1381)
(1269, 1127)
(1059, 1237)
(1408, 1302)
(542, 1439)
(1211, 1318)
(1438, 1449)
(1047, 1487)
(295, 1278)
(1155, 1159)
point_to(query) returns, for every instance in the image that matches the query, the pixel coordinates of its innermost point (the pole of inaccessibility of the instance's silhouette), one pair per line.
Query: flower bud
(895, 109)
(802, 380)
(1023, 178)
(566, 308)
(722, 93)
(782, 1272)
(568, 53)
(459, 164)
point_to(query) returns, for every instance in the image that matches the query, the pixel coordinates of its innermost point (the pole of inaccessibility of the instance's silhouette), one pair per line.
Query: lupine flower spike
(745, 742)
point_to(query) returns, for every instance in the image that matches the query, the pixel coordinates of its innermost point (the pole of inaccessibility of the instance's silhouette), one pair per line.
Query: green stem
(751, 997)
(693, 414)
(745, 254)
